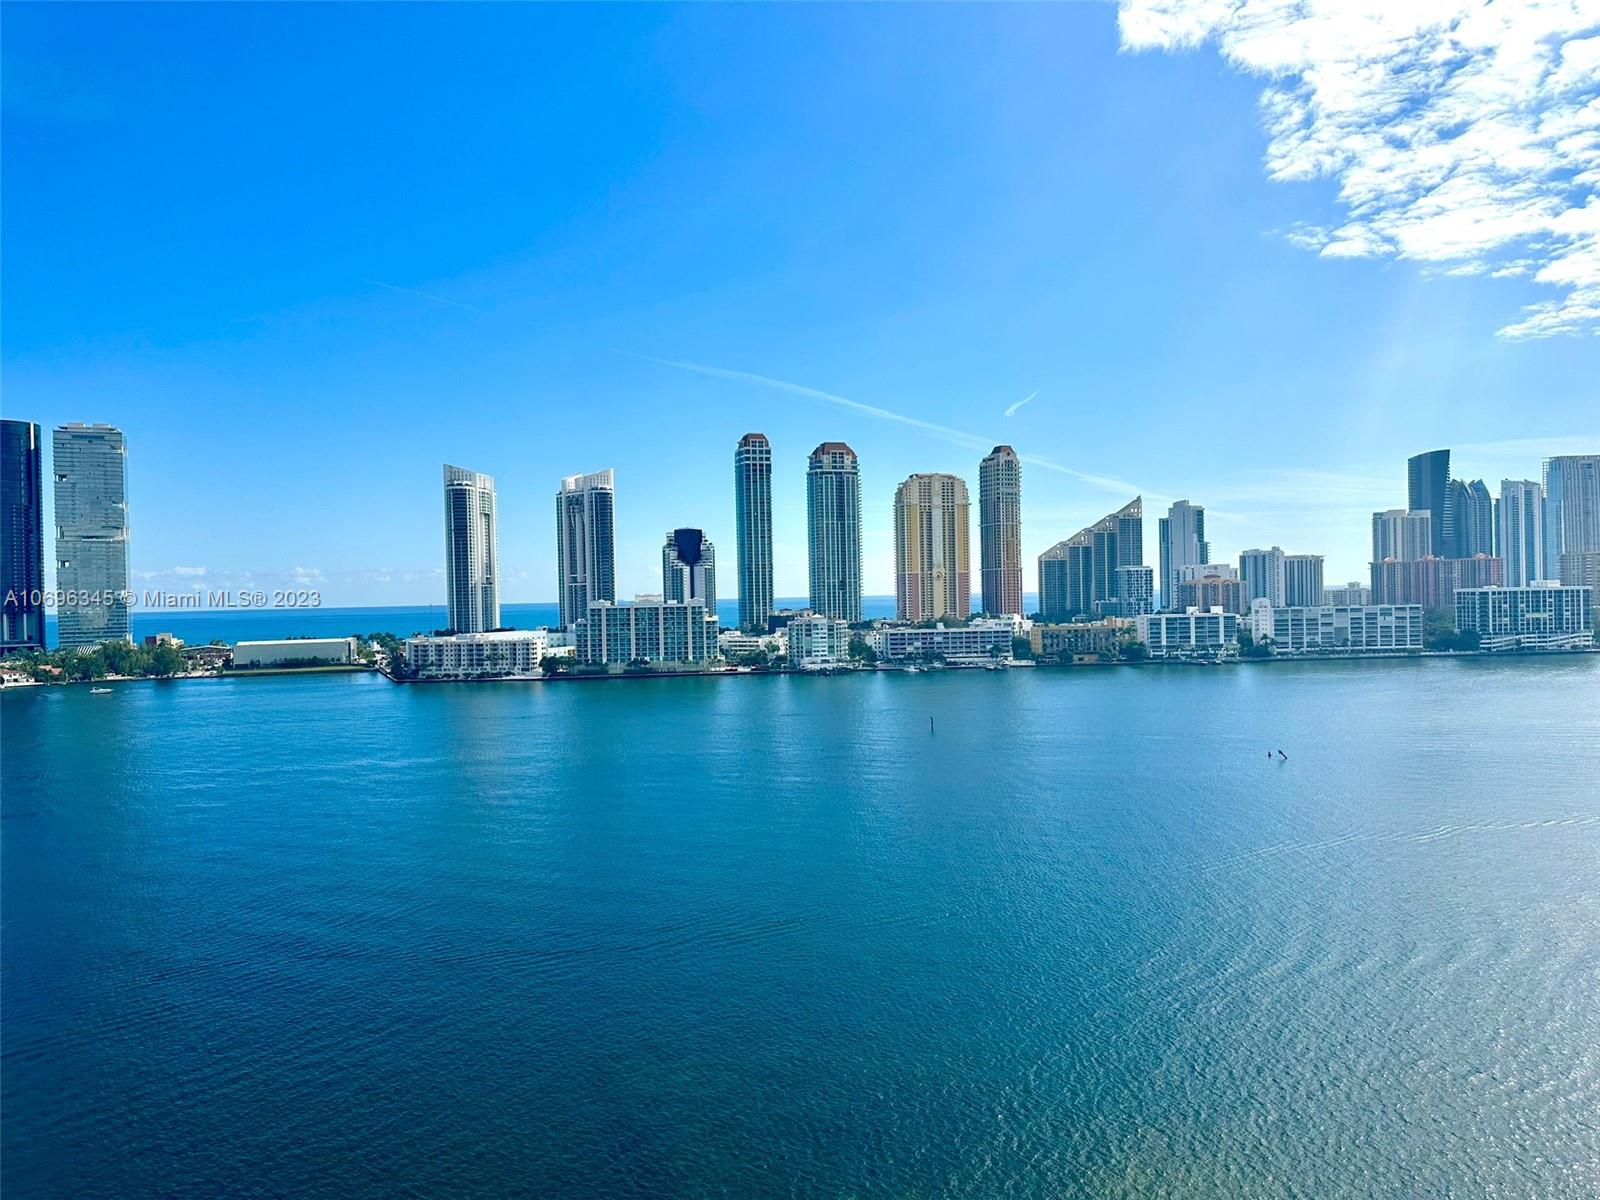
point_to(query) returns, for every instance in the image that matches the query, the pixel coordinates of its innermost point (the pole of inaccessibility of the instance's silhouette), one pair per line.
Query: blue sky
(303, 255)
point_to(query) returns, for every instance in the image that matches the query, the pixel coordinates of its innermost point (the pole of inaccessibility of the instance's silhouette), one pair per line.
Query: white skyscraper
(1401, 534)
(586, 543)
(90, 463)
(1520, 516)
(471, 551)
(1302, 580)
(1181, 537)
(1262, 573)
(1571, 508)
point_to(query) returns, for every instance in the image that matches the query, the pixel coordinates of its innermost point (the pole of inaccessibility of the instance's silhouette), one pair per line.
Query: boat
(99, 691)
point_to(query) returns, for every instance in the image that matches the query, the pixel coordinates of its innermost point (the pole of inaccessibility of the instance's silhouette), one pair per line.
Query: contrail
(959, 437)
(405, 291)
(1012, 411)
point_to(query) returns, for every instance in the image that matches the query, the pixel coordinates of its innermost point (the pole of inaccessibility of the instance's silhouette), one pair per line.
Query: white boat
(99, 691)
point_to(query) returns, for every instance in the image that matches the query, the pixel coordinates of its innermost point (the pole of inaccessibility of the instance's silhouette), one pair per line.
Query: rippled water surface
(327, 936)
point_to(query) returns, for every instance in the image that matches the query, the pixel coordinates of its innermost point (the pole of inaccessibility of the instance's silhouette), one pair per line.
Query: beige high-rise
(933, 570)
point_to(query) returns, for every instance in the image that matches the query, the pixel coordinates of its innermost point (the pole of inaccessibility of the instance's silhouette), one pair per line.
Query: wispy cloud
(958, 437)
(405, 291)
(1012, 410)
(1462, 135)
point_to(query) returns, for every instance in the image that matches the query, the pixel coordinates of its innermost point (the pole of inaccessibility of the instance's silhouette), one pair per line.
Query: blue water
(235, 625)
(753, 937)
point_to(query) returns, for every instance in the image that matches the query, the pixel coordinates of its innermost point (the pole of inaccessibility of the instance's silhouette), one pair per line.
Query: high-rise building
(1302, 580)
(1086, 574)
(1520, 516)
(1000, 531)
(833, 531)
(689, 569)
(1205, 588)
(1428, 489)
(752, 505)
(1401, 534)
(1431, 582)
(932, 567)
(471, 551)
(647, 630)
(1471, 518)
(586, 543)
(1181, 535)
(1135, 590)
(1571, 508)
(90, 465)
(1262, 574)
(22, 602)
(1543, 616)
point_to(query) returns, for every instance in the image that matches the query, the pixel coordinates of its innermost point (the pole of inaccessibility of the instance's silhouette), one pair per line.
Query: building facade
(1571, 508)
(1519, 517)
(1181, 536)
(1471, 518)
(1078, 637)
(22, 601)
(817, 642)
(932, 567)
(90, 465)
(586, 543)
(295, 651)
(1211, 590)
(983, 640)
(471, 551)
(1401, 534)
(503, 653)
(1542, 616)
(1354, 594)
(1261, 572)
(1428, 490)
(645, 631)
(752, 510)
(1432, 582)
(1338, 627)
(1302, 580)
(1000, 531)
(1192, 634)
(833, 531)
(1085, 575)
(689, 569)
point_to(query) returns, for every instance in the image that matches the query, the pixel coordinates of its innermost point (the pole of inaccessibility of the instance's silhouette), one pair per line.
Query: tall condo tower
(471, 551)
(1520, 516)
(21, 537)
(1401, 534)
(932, 565)
(1262, 574)
(689, 569)
(586, 543)
(1428, 490)
(90, 463)
(1000, 531)
(1302, 580)
(833, 531)
(1099, 571)
(752, 504)
(1181, 535)
(1571, 510)
(1471, 518)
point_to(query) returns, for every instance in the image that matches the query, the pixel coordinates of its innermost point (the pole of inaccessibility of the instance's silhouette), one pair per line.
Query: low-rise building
(978, 641)
(817, 642)
(649, 630)
(1352, 593)
(1337, 628)
(1077, 638)
(294, 652)
(1211, 590)
(1191, 634)
(504, 652)
(1541, 616)
(736, 643)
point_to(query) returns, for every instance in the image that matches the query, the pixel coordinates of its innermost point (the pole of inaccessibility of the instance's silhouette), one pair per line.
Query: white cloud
(1462, 135)
(1011, 410)
(191, 572)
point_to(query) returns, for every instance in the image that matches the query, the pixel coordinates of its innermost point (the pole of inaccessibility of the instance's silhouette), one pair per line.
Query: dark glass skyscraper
(689, 569)
(1428, 487)
(1471, 513)
(22, 535)
(752, 504)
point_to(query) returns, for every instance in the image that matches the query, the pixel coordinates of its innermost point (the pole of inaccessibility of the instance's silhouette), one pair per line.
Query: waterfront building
(1401, 534)
(586, 548)
(647, 630)
(1541, 616)
(1078, 638)
(1000, 531)
(1428, 489)
(471, 551)
(90, 465)
(1520, 517)
(734, 643)
(1302, 580)
(1571, 508)
(285, 652)
(1191, 634)
(689, 568)
(1432, 582)
(1261, 572)
(983, 640)
(1206, 588)
(1343, 628)
(1134, 590)
(833, 531)
(500, 653)
(818, 642)
(752, 505)
(22, 606)
(1181, 536)
(1471, 518)
(1354, 594)
(932, 568)
(1083, 576)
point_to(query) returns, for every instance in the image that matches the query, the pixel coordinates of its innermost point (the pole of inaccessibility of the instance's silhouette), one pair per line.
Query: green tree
(861, 651)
